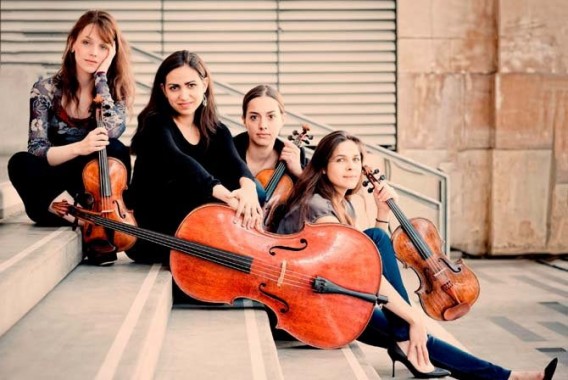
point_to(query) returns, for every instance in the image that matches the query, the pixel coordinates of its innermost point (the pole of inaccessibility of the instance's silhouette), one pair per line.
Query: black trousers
(38, 183)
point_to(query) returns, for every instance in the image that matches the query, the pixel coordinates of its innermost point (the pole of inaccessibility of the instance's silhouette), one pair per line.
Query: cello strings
(232, 260)
(296, 278)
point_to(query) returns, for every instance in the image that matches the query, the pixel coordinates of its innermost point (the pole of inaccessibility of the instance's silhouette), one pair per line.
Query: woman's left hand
(291, 156)
(105, 64)
(382, 193)
(417, 351)
(249, 206)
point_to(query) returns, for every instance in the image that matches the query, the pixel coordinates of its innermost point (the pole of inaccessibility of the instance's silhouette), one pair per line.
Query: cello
(105, 180)
(321, 282)
(277, 184)
(447, 290)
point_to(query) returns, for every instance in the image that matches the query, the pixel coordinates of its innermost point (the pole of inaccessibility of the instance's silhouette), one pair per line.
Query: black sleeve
(158, 143)
(241, 143)
(234, 165)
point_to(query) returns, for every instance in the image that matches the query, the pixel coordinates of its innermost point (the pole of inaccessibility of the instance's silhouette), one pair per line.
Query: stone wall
(483, 95)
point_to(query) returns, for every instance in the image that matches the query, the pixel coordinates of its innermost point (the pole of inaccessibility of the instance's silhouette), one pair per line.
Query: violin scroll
(300, 138)
(371, 180)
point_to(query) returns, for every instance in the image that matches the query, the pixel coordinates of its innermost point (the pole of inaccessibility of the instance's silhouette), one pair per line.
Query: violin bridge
(282, 272)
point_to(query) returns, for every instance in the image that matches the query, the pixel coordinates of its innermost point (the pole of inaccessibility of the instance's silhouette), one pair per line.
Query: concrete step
(219, 342)
(303, 362)
(10, 202)
(33, 261)
(100, 322)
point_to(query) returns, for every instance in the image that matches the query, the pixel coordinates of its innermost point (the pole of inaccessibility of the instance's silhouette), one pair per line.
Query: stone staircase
(61, 319)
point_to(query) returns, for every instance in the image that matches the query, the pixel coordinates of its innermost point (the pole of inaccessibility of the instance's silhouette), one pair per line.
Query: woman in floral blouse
(63, 132)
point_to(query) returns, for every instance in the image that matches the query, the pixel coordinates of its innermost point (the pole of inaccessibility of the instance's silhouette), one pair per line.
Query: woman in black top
(264, 116)
(185, 157)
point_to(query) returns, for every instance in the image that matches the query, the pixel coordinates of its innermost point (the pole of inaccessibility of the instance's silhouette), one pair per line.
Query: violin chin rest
(456, 312)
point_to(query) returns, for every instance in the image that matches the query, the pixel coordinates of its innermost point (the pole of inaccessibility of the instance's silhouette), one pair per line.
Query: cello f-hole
(283, 309)
(304, 242)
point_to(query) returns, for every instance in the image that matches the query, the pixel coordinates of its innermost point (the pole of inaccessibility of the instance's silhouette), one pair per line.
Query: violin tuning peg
(376, 171)
(290, 138)
(310, 137)
(382, 177)
(365, 183)
(295, 133)
(370, 190)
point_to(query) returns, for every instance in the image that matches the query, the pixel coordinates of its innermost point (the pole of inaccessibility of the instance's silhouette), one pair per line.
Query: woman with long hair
(185, 157)
(322, 195)
(264, 115)
(63, 131)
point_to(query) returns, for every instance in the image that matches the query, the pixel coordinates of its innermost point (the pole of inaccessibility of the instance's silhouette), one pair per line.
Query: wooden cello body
(281, 272)
(321, 282)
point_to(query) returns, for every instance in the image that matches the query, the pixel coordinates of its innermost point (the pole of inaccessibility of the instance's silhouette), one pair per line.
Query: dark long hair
(119, 75)
(314, 181)
(259, 91)
(206, 118)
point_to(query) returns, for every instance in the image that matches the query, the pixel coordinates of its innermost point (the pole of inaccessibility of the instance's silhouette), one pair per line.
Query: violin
(321, 282)
(447, 290)
(277, 184)
(105, 180)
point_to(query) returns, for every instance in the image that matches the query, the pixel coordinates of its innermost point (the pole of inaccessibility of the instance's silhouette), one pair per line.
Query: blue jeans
(385, 327)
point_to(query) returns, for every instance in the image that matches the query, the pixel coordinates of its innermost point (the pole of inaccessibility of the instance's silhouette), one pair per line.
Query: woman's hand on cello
(96, 140)
(291, 156)
(248, 207)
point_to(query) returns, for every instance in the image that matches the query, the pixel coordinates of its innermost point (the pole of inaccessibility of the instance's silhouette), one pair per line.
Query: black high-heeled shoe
(550, 369)
(396, 354)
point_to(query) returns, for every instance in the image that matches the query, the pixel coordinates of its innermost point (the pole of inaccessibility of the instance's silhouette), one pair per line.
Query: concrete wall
(15, 86)
(483, 95)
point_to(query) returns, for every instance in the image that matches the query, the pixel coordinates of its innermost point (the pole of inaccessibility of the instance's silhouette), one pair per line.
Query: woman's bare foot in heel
(526, 375)
(412, 358)
(547, 374)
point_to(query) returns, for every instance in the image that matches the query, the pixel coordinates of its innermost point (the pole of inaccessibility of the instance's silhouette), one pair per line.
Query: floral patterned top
(51, 126)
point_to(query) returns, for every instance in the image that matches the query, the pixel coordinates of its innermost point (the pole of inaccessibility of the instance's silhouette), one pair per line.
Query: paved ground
(520, 320)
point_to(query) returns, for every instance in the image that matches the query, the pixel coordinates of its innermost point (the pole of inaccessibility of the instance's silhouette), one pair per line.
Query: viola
(105, 180)
(447, 290)
(321, 282)
(277, 184)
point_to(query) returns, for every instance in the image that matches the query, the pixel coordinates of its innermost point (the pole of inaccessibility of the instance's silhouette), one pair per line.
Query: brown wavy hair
(314, 181)
(119, 75)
